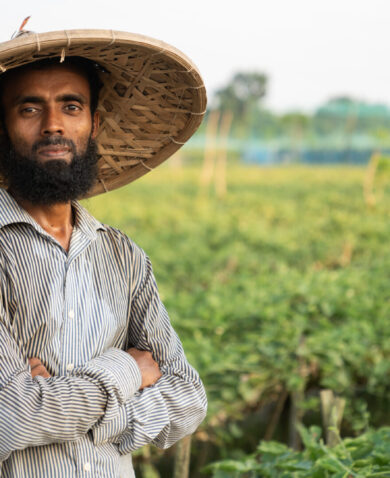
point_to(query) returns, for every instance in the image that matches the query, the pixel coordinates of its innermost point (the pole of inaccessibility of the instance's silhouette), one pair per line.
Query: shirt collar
(12, 213)
(88, 224)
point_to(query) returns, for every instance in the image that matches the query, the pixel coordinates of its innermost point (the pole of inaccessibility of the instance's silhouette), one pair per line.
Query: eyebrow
(23, 99)
(20, 100)
(73, 97)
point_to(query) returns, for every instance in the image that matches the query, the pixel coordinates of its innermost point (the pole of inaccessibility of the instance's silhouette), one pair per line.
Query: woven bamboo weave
(152, 101)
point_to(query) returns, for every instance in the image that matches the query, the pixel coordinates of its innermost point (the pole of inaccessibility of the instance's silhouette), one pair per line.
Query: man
(90, 367)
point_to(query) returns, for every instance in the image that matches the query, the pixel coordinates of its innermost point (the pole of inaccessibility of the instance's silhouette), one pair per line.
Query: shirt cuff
(145, 421)
(110, 431)
(117, 367)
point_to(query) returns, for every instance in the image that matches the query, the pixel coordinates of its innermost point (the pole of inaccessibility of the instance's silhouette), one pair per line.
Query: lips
(53, 151)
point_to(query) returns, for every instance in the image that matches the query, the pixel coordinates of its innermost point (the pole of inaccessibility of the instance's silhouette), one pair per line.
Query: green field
(281, 287)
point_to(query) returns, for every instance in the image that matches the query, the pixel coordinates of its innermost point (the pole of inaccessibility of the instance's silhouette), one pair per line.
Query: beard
(53, 181)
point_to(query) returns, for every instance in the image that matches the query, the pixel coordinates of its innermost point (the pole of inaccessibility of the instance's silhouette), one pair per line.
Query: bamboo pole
(295, 418)
(147, 468)
(332, 414)
(220, 173)
(296, 411)
(210, 149)
(271, 427)
(369, 178)
(182, 458)
(176, 161)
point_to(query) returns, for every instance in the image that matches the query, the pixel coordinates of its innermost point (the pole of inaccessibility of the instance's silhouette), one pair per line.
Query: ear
(95, 124)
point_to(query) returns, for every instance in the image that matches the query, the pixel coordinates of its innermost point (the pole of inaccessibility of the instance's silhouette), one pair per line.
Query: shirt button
(71, 314)
(87, 466)
(69, 367)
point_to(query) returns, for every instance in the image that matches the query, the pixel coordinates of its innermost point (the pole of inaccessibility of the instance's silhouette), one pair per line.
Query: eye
(29, 109)
(72, 107)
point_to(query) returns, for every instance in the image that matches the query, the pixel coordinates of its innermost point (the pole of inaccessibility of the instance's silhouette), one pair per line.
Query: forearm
(41, 411)
(161, 415)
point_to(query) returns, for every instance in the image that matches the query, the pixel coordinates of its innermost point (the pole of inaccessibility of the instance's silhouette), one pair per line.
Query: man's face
(47, 149)
(41, 104)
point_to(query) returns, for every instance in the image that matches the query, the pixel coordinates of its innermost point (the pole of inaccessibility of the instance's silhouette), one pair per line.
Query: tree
(242, 94)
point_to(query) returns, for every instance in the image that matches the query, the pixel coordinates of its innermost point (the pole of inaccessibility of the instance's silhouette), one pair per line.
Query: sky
(311, 50)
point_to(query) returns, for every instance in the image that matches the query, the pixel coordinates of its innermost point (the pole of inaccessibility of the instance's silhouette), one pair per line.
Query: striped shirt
(78, 311)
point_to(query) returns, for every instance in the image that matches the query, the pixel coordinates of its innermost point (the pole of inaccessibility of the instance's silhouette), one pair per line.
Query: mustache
(54, 141)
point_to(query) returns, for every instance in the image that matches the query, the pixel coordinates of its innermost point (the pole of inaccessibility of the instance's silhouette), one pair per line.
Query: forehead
(53, 79)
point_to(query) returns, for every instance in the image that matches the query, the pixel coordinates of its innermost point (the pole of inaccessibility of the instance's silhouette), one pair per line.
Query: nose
(52, 123)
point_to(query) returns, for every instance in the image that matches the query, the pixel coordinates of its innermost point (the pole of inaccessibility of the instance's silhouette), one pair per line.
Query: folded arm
(38, 411)
(175, 405)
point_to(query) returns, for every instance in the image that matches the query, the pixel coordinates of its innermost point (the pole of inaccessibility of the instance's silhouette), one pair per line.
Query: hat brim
(153, 98)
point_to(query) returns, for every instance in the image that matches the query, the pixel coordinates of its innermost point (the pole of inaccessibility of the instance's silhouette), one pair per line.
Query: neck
(55, 219)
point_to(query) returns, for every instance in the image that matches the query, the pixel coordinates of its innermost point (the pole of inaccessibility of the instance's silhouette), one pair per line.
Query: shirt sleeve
(38, 411)
(176, 404)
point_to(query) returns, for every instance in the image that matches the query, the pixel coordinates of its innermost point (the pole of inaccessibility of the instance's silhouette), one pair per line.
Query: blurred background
(269, 230)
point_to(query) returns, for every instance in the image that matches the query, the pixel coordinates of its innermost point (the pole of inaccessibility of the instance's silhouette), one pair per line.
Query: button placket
(68, 354)
(69, 367)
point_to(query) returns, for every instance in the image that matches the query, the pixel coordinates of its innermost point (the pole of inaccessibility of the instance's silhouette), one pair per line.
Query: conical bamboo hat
(152, 101)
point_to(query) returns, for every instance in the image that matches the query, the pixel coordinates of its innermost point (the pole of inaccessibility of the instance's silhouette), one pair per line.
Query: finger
(40, 370)
(34, 361)
(135, 350)
(37, 368)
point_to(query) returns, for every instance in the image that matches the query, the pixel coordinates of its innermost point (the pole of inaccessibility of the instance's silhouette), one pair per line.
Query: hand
(37, 368)
(149, 368)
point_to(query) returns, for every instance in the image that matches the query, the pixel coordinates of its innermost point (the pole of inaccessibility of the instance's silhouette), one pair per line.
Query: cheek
(82, 137)
(20, 145)
(80, 134)
(21, 136)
